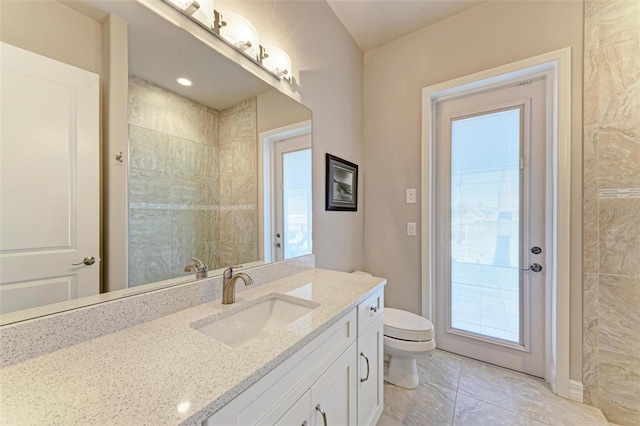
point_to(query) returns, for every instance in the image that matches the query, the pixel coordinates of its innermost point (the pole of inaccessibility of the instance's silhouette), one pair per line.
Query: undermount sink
(255, 321)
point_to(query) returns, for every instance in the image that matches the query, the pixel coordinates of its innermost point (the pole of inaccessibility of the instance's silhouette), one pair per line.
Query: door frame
(557, 66)
(266, 213)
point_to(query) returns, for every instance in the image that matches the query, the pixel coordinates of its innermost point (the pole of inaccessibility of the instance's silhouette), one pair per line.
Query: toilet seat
(403, 347)
(407, 326)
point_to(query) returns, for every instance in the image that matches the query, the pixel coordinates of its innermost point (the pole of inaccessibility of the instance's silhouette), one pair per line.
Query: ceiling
(373, 23)
(160, 51)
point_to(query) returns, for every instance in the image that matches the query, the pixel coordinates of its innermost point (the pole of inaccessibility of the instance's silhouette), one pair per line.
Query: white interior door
(490, 215)
(293, 197)
(49, 181)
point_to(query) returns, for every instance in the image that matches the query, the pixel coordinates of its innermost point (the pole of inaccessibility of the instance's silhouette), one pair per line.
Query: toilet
(406, 336)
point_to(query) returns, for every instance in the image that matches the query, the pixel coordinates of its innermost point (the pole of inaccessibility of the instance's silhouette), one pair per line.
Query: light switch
(411, 229)
(411, 196)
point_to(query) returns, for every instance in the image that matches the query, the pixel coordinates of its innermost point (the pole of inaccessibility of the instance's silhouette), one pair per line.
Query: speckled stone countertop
(164, 371)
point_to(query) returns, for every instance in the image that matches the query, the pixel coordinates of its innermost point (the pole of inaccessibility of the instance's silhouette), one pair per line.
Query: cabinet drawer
(370, 310)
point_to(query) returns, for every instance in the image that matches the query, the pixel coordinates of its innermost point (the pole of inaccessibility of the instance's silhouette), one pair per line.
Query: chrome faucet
(229, 284)
(201, 269)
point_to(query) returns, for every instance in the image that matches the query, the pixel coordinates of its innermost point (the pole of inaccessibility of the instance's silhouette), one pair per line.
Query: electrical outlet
(411, 196)
(411, 229)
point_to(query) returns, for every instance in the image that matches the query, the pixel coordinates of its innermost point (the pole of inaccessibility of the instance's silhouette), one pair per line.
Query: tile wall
(237, 219)
(186, 161)
(611, 264)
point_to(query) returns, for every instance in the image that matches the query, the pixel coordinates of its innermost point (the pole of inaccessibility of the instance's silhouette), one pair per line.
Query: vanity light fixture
(277, 61)
(184, 81)
(238, 32)
(205, 12)
(241, 33)
(189, 7)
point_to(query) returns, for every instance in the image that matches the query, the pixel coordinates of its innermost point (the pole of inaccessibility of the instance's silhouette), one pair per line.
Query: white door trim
(558, 65)
(265, 164)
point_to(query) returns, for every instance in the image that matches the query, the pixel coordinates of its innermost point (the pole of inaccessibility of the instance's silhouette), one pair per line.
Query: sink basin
(254, 322)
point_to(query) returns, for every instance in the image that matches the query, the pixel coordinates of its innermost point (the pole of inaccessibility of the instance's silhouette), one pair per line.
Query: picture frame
(341, 189)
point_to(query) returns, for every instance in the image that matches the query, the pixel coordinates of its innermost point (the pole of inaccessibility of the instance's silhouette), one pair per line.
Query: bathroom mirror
(203, 163)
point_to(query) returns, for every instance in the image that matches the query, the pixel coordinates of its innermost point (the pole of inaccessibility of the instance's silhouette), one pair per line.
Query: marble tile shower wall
(611, 284)
(176, 164)
(237, 218)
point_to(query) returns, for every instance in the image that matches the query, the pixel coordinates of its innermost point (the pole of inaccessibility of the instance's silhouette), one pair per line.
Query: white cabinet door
(299, 414)
(49, 181)
(333, 396)
(369, 380)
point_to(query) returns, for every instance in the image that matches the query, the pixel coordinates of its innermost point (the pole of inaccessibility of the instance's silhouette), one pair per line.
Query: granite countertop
(164, 371)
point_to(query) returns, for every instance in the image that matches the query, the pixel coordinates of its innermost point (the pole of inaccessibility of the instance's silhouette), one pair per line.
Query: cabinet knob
(374, 309)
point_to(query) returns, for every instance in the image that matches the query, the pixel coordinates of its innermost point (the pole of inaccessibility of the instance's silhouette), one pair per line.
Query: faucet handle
(200, 263)
(234, 267)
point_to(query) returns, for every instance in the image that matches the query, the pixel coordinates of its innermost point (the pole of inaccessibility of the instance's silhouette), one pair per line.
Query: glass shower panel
(486, 188)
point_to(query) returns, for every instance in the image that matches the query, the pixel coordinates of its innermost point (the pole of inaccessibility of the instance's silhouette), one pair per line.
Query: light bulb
(240, 33)
(204, 14)
(277, 61)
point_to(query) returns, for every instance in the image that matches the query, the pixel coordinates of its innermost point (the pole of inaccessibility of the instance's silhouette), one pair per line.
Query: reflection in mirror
(219, 171)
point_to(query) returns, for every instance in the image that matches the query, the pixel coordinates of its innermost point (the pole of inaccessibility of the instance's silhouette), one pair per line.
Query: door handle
(366, 359)
(535, 267)
(89, 260)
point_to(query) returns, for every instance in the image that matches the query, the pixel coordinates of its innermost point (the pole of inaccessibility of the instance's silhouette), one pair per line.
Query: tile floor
(454, 390)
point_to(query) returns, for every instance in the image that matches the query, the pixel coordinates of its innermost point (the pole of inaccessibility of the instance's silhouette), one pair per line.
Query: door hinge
(522, 164)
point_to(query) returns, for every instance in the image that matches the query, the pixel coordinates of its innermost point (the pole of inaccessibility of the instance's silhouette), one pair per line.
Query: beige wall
(327, 74)
(612, 209)
(53, 30)
(276, 111)
(492, 34)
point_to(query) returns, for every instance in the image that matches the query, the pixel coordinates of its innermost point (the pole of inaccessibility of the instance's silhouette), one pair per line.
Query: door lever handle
(535, 267)
(89, 260)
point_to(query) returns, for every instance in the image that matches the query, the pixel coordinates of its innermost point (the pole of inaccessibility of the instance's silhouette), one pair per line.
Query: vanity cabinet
(327, 382)
(333, 396)
(370, 359)
(331, 400)
(370, 374)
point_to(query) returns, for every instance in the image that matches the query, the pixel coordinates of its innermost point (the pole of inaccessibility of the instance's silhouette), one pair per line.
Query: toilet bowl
(406, 336)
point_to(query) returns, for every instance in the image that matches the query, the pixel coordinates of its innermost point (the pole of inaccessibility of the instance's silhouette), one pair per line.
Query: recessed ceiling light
(184, 81)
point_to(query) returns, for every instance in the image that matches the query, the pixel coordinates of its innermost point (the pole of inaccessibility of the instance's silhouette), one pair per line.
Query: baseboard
(576, 391)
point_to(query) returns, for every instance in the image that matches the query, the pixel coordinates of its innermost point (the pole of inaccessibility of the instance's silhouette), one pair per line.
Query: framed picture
(342, 185)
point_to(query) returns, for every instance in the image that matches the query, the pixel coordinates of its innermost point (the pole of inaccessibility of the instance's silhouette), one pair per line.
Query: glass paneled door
(486, 223)
(293, 197)
(491, 226)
